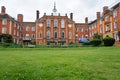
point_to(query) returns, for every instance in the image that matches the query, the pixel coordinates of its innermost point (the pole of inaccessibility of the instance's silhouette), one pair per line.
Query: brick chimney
(105, 8)
(71, 16)
(20, 18)
(98, 15)
(3, 10)
(86, 20)
(37, 14)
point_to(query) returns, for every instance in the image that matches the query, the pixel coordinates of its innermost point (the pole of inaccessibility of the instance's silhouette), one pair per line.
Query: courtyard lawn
(87, 63)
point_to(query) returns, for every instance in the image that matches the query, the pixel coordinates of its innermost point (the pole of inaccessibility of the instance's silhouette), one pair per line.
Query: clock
(40, 24)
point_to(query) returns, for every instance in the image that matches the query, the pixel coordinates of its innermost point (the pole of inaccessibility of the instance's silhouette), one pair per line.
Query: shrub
(86, 43)
(95, 42)
(108, 41)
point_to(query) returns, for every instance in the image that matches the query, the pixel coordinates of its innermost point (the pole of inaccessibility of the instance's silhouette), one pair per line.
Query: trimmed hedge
(108, 41)
(95, 42)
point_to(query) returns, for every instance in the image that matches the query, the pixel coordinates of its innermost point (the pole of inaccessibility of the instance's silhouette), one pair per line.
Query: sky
(79, 8)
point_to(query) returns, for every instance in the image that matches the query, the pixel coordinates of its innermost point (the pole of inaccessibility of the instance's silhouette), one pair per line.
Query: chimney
(37, 14)
(20, 18)
(86, 20)
(3, 10)
(105, 8)
(98, 15)
(71, 16)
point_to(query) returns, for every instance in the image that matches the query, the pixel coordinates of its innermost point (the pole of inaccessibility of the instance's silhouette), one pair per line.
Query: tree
(119, 35)
(6, 38)
(96, 36)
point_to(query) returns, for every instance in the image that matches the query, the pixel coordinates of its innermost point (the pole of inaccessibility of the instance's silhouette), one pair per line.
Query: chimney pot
(71, 16)
(3, 10)
(86, 20)
(20, 18)
(37, 14)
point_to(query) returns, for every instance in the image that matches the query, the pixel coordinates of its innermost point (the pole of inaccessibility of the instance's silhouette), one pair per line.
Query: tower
(54, 9)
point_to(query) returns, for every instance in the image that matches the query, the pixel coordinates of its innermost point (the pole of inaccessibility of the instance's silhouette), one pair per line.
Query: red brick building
(56, 27)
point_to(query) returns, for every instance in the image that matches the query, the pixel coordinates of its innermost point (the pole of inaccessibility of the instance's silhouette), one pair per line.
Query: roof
(28, 23)
(115, 6)
(6, 16)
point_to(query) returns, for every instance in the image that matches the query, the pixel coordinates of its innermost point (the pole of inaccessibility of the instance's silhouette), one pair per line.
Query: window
(40, 34)
(27, 28)
(76, 29)
(106, 18)
(4, 21)
(33, 28)
(101, 30)
(17, 33)
(21, 28)
(81, 29)
(115, 13)
(115, 25)
(33, 35)
(55, 23)
(14, 24)
(62, 35)
(55, 34)
(18, 26)
(107, 28)
(27, 35)
(48, 23)
(100, 21)
(70, 35)
(14, 32)
(48, 35)
(21, 35)
(116, 37)
(3, 30)
(62, 24)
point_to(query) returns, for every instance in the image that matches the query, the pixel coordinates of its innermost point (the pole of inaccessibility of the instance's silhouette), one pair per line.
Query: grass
(90, 63)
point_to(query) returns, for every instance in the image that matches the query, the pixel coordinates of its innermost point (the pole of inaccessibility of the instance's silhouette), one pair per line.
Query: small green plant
(108, 41)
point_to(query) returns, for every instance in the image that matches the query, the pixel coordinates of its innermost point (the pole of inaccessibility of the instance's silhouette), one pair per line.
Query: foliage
(6, 38)
(119, 34)
(108, 41)
(95, 42)
(10, 45)
(96, 36)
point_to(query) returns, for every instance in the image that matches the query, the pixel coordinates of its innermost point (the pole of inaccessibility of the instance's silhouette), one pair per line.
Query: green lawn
(87, 63)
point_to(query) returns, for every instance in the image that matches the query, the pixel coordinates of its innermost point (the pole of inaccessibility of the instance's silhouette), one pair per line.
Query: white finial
(54, 9)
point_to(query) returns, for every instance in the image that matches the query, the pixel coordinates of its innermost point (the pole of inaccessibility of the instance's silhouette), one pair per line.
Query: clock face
(40, 24)
(69, 25)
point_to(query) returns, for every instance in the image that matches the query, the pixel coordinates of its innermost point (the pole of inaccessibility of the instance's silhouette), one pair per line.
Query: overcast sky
(80, 8)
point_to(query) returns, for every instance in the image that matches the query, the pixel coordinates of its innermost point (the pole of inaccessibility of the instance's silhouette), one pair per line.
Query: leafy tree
(6, 38)
(119, 34)
(96, 36)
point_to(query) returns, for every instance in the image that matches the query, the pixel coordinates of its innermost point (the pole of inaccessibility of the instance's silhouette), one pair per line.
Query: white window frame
(62, 23)
(4, 21)
(55, 23)
(4, 31)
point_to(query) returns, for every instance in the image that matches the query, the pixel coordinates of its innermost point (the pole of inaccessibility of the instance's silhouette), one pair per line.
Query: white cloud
(80, 8)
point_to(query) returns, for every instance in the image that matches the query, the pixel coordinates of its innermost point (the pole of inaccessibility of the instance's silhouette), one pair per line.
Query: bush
(95, 42)
(108, 41)
(87, 43)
